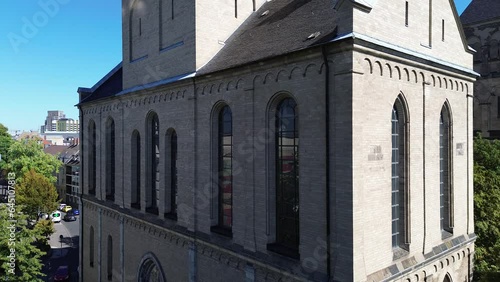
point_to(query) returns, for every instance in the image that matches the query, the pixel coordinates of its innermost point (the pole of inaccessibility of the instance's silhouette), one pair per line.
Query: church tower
(165, 39)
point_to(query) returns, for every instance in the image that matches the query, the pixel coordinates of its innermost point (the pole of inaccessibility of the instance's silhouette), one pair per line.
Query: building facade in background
(57, 121)
(481, 22)
(281, 140)
(68, 176)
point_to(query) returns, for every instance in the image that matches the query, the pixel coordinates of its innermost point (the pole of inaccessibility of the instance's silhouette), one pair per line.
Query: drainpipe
(192, 248)
(423, 164)
(469, 99)
(80, 192)
(327, 164)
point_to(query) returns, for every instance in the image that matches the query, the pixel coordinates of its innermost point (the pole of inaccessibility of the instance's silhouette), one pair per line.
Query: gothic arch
(150, 269)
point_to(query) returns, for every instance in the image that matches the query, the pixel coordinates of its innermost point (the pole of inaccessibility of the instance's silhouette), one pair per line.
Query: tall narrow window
(154, 161)
(140, 26)
(92, 158)
(110, 160)
(442, 30)
(173, 173)
(399, 185)
(91, 246)
(110, 258)
(406, 13)
(498, 108)
(172, 9)
(136, 171)
(445, 191)
(236, 8)
(225, 156)
(430, 23)
(287, 176)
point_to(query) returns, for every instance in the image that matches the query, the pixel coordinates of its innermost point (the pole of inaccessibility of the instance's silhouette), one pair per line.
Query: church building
(282, 140)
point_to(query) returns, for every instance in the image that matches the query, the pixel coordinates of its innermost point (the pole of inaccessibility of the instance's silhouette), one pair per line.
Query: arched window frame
(110, 159)
(136, 179)
(223, 169)
(446, 195)
(171, 195)
(92, 158)
(400, 195)
(285, 239)
(153, 163)
(150, 269)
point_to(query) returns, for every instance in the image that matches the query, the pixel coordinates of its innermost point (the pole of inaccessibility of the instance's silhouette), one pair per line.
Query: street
(63, 252)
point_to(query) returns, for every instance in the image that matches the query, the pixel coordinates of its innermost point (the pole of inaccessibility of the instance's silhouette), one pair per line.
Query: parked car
(62, 273)
(67, 208)
(55, 216)
(69, 217)
(76, 211)
(43, 215)
(61, 206)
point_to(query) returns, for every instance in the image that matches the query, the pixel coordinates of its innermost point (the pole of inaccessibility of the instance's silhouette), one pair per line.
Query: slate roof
(71, 155)
(108, 86)
(480, 11)
(55, 149)
(284, 29)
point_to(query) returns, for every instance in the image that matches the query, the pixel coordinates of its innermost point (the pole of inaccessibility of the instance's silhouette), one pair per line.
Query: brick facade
(345, 91)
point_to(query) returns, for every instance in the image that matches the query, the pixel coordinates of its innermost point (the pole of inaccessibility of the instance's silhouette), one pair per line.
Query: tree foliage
(20, 259)
(36, 193)
(26, 155)
(487, 204)
(5, 143)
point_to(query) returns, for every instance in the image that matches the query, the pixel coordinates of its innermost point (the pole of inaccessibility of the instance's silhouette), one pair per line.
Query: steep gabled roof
(480, 11)
(278, 27)
(108, 86)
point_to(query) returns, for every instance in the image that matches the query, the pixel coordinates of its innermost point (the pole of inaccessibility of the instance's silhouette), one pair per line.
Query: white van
(55, 216)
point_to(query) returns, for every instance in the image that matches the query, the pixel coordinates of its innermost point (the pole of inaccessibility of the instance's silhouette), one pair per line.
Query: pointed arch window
(445, 187)
(399, 191)
(136, 171)
(92, 158)
(153, 166)
(150, 270)
(110, 160)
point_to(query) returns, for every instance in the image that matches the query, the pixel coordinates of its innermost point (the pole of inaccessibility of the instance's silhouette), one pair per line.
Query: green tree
(28, 154)
(35, 193)
(20, 259)
(486, 205)
(5, 143)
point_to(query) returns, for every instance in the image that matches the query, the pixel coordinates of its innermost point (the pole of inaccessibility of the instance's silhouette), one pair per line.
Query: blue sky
(49, 48)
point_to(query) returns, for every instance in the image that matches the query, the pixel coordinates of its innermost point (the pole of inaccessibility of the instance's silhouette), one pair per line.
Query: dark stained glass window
(287, 175)
(225, 156)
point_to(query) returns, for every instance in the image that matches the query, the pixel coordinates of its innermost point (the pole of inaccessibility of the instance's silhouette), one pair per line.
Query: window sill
(153, 210)
(224, 231)
(283, 250)
(170, 215)
(445, 234)
(398, 253)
